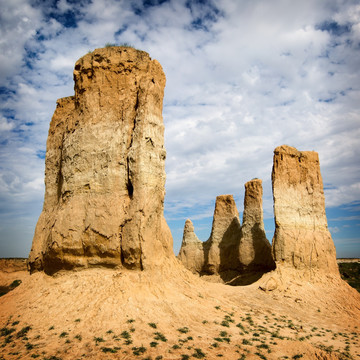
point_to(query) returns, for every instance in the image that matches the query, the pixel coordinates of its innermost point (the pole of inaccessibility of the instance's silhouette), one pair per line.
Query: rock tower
(192, 250)
(302, 239)
(254, 249)
(222, 249)
(104, 168)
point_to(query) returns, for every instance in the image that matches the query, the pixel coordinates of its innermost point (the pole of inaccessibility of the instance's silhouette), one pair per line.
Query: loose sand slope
(122, 314)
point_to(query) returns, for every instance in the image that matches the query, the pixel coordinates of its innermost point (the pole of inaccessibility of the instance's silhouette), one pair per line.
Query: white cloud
(5, 125)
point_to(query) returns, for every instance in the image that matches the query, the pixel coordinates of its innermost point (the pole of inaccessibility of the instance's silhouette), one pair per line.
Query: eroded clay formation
(105, 168)
(254, 249)
(231, 247)
(105, 186)
(302, 239)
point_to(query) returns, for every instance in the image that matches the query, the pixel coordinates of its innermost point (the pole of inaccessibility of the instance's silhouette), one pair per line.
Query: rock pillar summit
(302, 239)
(105, 168)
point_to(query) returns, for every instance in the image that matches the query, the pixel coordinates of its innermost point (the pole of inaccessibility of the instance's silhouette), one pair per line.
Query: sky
(243, 77)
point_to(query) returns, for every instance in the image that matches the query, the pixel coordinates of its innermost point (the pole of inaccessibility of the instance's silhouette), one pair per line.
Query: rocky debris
(105, 168)
(192, 252)
(222, 248)
(254, 248)
(302, 240)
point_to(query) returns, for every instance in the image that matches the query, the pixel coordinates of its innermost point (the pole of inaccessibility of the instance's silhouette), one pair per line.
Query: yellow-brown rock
(302, 239)
(254, 249)
(221, 251)
(192, 250)
(104, 168)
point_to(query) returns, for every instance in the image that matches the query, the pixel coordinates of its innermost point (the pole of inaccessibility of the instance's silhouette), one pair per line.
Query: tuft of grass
(78, 337)
(198, 354)
(64, 334)
(29, 346)
(108, 44)
(185, 357)
(125, 335)
(5, 331)
(77, 320)
(98, 340)
(297, 356)
(138, 350)
(183, 330)
(23, 331)
(125, 44)
(261, 356)
(108, 350)
(130, 321)
(154, 344)
(153, 325)
(225, 323)
(240, 326)
(159, 336)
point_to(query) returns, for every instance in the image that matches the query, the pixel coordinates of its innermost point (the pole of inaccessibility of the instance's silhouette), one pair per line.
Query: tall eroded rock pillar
(105, 168)
(222, 249)
(192, 250)
(254, 249)
(302, 239)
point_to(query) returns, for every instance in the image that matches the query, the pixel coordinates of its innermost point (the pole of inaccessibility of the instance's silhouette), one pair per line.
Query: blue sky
(243, 77)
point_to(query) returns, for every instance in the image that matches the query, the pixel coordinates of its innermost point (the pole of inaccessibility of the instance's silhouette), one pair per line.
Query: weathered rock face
(254, 249)
(192, 250)
(222, 249)
(302, 239)
(104, 168)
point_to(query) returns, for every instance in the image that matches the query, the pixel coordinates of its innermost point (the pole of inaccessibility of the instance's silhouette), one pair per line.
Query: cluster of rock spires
(301, 240)
(105, 186)
(231, 247)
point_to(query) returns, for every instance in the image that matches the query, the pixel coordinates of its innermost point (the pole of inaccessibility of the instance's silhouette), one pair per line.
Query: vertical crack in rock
(100, 173)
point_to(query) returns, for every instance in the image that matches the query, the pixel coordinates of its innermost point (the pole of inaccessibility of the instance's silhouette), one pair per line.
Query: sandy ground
(172, 314)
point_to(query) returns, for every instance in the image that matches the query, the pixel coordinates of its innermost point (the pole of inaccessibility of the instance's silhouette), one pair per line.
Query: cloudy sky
(243, 77)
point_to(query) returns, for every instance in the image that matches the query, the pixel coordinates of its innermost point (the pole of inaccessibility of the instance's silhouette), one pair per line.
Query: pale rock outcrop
(192, 252)
(254, 248)
(221, 250)
(104, 168)
(302, 240)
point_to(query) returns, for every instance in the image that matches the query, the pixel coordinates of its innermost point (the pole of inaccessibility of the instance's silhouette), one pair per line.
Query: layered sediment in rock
(192, 250)
(302, 240)
(104, 168)
(221, 251)
(254, 248)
